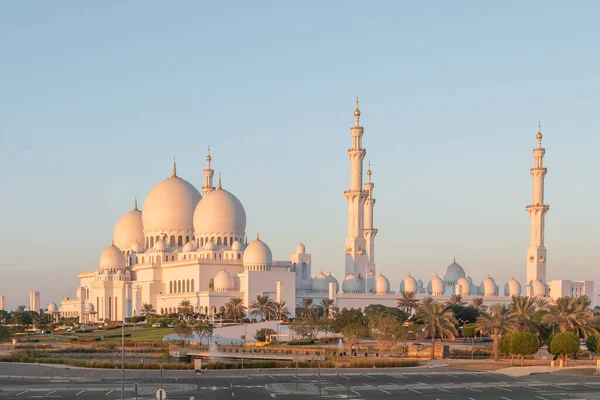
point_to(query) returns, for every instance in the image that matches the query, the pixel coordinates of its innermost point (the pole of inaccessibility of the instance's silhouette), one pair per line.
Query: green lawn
(138, 334)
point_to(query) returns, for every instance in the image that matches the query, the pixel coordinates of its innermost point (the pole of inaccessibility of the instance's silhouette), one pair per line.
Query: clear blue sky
(96, 99)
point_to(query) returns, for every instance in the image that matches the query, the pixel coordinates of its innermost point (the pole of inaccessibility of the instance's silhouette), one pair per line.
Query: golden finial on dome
(369, 170)
(539, 133)
(208, 157)
(220, 187)
(135, 203)
(357, 112)
(257, 236)
(174, 168)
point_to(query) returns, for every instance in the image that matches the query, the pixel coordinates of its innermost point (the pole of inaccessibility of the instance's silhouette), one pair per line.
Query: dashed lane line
(272, 377)
(109, 392)
(385, 391)
(501, 388)
(506, 398)
(540, 397)
(368, 376)
(444, 390)
(473, 389)
(23, 392)
(355, 392)
(413, 390)
(49, 393)
(78, 393)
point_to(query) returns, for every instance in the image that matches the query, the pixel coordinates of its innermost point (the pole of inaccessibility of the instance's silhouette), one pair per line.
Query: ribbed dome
(382, 284)
(236, 245)
(538, 288)
(351, 284)
(223, 281)
(331, 279)
(219, 213)
(137, 247)
(129, 229)
(409, 285)
(320, 283)
(112, 257)
(488, 287)
(189, 247)
(300, 249)
(257, 254)
(436, 286)
(169, 208)
(453, 272)
(465, 286)
(52, 308)
(89, 308)
(160, 245)
(512, 288)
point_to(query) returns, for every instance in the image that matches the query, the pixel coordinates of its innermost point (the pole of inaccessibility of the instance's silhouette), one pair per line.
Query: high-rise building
(2, 303)
(34, 301)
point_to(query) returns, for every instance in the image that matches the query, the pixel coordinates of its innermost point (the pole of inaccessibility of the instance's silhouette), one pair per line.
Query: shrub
(262, 334)
(468, 330)
(593, 342)
(523, 344)
(564, 343)
(504, 346)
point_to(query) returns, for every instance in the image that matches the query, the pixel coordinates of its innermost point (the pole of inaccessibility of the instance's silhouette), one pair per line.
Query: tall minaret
(536, 253)
(369, 231)
(208, 176)
(356, 257)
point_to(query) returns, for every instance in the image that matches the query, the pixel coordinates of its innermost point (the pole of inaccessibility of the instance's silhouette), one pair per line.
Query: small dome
(436, 286)
(538, 288)
(453, 272)
(160, 245)
(137, 247)
(112, 257)
(465, 286)
(512, 288)
(129, 229)
(470, 280)
(89, 308)
(258, 254)
(210, 245)
(409, 285)
(189, 247)
(382, 284)
(219, 213)
(223, 281)
(169, 207)
(351, 284)
(52, 308)
(300, 249)
(331, 279)
(420, 284)
(320, 283)
(236, 245)
(488, 287)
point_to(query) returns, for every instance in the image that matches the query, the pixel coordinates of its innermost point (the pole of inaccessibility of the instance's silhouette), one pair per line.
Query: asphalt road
(431, 384)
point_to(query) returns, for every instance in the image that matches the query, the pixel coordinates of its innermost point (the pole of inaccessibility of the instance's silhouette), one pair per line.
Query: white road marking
(473, 389)
(232, 394)
(584, 385)
(444, 390)
(393, 384)
(49, 393)
(249, 377)
(401, 376)
(368, 376)
(454, 376)
(413, 390)
(470, 398)
(385, 391)
(534, 388)
(273, 395)
(80, 392)
(272, 377)
(230, 384)
(561, 387)
(24, 391)
(541, 398)
(358, 394)
(109, 392)
(340, 385)
(192, 398)
(506, 398)
(501, 388)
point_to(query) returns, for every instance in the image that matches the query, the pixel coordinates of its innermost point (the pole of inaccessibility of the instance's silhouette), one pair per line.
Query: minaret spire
(536, 253)
(135, 203)
(174, 175)
(220, 186)
(208, 175)
(357, 114)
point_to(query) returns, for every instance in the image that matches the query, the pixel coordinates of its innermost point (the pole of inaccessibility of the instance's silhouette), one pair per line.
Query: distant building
(3, 303)
(34, 301)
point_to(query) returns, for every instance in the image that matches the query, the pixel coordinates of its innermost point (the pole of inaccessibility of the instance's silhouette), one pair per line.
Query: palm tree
(21, 308)
(148, 310)
(456, 300)
(306, 309)
(280, 310)
(408, 302)
(328, 306)
(185, 309)
(541, 303)
(522, 309)
(261, 306)
(571, 314)
(477, 303)
(498, 321)
(235, 309)
(427, 300)
(438, 319)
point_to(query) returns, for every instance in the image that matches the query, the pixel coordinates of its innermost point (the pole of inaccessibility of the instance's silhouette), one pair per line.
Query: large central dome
(169, 208)
(220, 214)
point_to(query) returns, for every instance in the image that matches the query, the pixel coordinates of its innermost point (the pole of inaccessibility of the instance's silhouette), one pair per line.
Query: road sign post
(161, 394)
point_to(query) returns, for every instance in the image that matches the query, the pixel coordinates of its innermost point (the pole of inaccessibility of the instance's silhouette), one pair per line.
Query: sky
(97, 98)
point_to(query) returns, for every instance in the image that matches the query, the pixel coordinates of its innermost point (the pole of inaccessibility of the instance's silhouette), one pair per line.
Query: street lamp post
(123, 360)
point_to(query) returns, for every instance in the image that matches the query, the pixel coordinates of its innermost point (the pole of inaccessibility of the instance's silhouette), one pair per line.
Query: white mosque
(187, 245)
